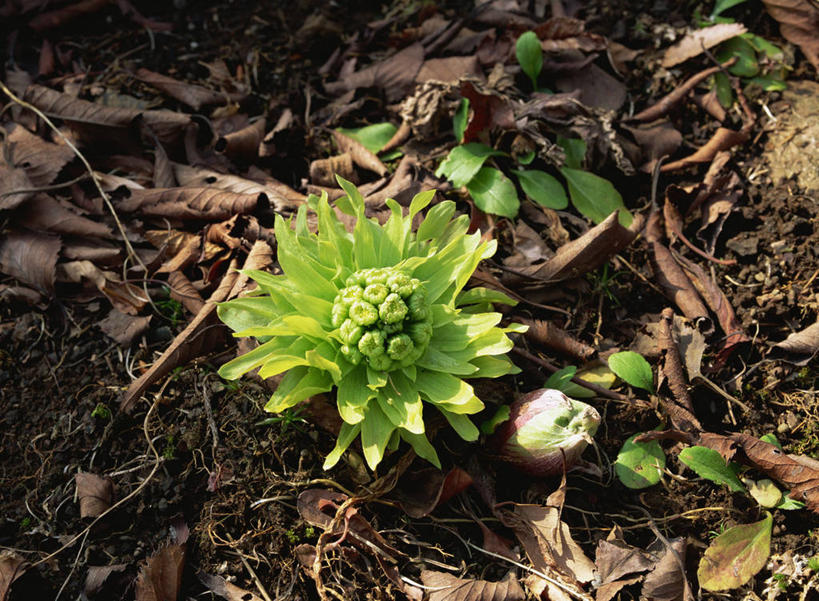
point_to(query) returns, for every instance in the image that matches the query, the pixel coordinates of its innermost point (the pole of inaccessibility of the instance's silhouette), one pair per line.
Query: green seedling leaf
(494, 193)
(633, 369)
(544, 189)
(709, 464)
(771, 439)
(736, 555)
(501, 415)
(600, 375)
(373, 137)
(788, 504)
(575, 150)
(722, 5)
(562, 379)
(461, 119)
(746, 65)
(595, 197)
(640, 464)
(764, 492)
(530, 55)
(464, 162)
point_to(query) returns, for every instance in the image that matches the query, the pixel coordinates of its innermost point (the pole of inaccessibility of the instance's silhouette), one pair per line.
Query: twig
(253, 575)
(551, 367)
(67, 184)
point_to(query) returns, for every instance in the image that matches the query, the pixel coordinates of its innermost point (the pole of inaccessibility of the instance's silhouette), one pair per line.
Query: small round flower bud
(363, 313)
(351, 332)
(376, 293)
(371, 343)
(399, 346)
(393, 309)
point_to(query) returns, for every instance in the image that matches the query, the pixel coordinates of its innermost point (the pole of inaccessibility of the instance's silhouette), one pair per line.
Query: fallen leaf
(97, 575)
(210, 204)
(419, 493)
(723, 139)
(242, 146)
(15, 187)
(31, 258)
(56, 18)
(361, 156)
(44, 213)
(667, 581)
(395, 75)
(597, 88)
(446, 587)
(450, 69)
(695, 41)
(799, 24)
(546, 333)
(97, 251)
(227, 590)
(803, 342)
(567, 33)
(489, 111)
(639, 464)
(183, 291)
(94, 493)
(193, 95)
(124, 328)
(736, 555)
(41, 160)
(764, 492)
(124, 296)
(12, 567)
(160, 578)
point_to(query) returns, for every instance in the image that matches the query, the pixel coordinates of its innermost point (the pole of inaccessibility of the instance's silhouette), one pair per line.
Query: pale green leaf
(420, 202)
(346, 436)
(632, 368)
(543, 188)
(709, 464)
(297, 385)
(437, 218)
(600, 375)
(448, 392)
(247, 312)
(481, 295)
(494, 193)
(561, 379)
(436, 360)
(595, 197)
(464, 162)
(736, 555)
(640, 464)
(376, 430)
(353, 395)
(401, 403)
(764, 492)
(493, 367)
(242, 364)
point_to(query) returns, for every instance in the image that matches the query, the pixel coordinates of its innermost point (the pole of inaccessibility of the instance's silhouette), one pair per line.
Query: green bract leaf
(736, 555)
(494, 193)
(530, 55)
(543, 189)
(463, 162)
(771, 439)
(372, 137)
(640, 464)
(709, 464)
(633, 369)
(594, 196)
(380, 315)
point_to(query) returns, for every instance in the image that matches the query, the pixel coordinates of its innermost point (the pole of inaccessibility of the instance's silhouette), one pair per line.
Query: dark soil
(203, 453)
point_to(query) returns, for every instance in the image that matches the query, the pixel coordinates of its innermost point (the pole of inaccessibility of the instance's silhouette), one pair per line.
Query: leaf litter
(189, 159)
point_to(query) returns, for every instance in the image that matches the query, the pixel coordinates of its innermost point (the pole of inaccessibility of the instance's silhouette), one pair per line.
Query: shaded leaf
(419, 493)
(446, 587)
(13, 185)
(31, 258)
(242, 145)
(41, 160)
(12, 567)
(595, 197)
(799, 24)
(529, 55)
(373, 137)
(124, 328)
(395, 75)
(640, 464)
(227, 590)
(160, 578)
(803, 342)
(361, 155)
(44, 213)
(193, 95)
(667, 581)
(209, 204)
(735, 556)
(96, 577)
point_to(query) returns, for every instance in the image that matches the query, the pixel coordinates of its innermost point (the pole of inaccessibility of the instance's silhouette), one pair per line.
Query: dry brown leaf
(125, 297)
(361, 156)
(20, 294)
(562, 33)
(656, 140)
(31, 258)
(178, 249)
(57, 18)
(94, 493)
(446, 587)
(100, 252)
(489, 111)
(12, 567)
(450, 69)
(323, 171)
(597, 88)
(160, 579)
(96, 577)
(205, 331)
(395, 75)
(803, 342)
(681, 409)
(799, 24)
(616, 562)
(182, 290)
(667, 581)
(420, 492)
(41, 160)
(208, 204)
(219, 586)
(44, 213)
(124, 328)
(193, 95)
(167, 125)
(13, 185)
(554, 338)
(723, 139)
(693, 43)
(242, 145)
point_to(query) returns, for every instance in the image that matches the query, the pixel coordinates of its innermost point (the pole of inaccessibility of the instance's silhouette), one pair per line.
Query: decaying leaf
(446, 587)
(94, 493)
(15, 187)
(209, 204)
(803, 342)
(44, 213)
(193, 95)
(41, 160)
(160, 579)
(242, 145)
(736, 555)
(694, 42)
(97, 576)
(557, 339)
(419, 493)
(124, 296)
(358, 152)
(667, 581)
(395, 75)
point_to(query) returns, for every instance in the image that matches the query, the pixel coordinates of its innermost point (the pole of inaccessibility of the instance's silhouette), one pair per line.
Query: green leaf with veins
(709, 464)
(575, 150)
(640, 464)
(633, 369)
(373, 137)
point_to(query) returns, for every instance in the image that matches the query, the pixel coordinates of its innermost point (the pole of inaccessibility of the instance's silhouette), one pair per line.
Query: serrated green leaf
(461, 119)
(561, 378)
(464, 162)
(494, 193)
(640, 464)
(595, 197)
(709, 464)
(633, 369)
(736, 555)
(530, 55)
(372, 137)
(543, 188)
(575, 151)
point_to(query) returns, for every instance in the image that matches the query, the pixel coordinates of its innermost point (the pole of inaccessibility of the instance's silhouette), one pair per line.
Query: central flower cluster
(383, 317)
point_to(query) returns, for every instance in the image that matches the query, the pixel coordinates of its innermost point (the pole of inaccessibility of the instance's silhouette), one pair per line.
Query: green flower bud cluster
(383, 317)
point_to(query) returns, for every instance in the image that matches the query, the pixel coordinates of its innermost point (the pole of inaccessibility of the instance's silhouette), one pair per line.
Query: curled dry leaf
(97, 251)
(361, 156)
(617, 562)
(94, 493)
(193, 95)
(723, 139)
(597, 88)
(12, 567)
(31, 258)
(695, 41)
(446, 587)
(489, 111)
(41, 160)
(667, 581)
(167, 125)
(44, 213)
(14, 184)
(799, 24)
(323, 171)
(567, 33)
(242, 146)
(803, 342)
(182, 291)
(656, 140)
(209, 204)
(557, 339)
(125, 297)
(681, 410)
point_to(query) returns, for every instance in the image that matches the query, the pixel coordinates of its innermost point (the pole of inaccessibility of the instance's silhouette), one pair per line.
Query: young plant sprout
(379, 315)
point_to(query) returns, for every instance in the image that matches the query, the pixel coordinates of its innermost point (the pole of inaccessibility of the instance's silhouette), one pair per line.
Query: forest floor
(130, 470)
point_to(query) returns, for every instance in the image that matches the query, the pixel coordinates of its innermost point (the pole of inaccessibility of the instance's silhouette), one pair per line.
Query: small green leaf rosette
(381, 316)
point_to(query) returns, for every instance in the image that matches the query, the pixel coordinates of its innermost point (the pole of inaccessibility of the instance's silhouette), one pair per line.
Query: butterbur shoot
(381, 317)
